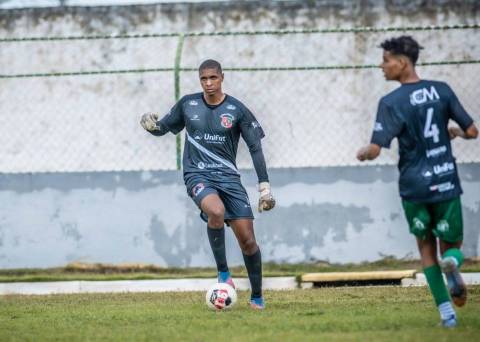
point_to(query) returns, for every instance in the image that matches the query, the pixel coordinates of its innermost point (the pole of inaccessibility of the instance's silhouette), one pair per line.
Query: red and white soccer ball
(221, 296)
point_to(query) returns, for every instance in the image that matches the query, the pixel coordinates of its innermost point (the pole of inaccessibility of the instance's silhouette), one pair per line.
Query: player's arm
(151, 123)
(387, 126)
(369, 152)
(253, 133)
(470, 133)
(172, 122)
(266, 201)
(467, 128)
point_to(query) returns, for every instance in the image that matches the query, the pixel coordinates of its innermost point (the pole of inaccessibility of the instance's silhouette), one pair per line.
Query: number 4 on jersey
(431, 130)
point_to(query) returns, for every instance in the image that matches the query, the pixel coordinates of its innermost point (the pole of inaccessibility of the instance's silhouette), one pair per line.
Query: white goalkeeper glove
(149, 121)
(266, 201)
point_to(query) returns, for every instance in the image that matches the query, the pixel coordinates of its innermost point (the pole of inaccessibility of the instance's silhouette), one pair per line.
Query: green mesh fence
(73, 103)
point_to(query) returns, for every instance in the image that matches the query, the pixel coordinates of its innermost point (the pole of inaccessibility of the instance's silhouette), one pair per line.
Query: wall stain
(220, 14)
(169, 247)
(311, 224)
(70, 231)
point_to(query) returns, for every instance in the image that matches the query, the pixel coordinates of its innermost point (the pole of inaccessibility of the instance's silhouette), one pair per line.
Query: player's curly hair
(210, 64)
(403, 45)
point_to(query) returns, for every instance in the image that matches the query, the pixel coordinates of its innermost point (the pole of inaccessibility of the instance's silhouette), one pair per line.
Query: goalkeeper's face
(211, 81)
(393, 66)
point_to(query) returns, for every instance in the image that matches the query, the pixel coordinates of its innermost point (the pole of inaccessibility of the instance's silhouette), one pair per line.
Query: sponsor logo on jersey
(424, 95)
(197, 189)
(226, 120)
(214, 138)
(444, 168)
(231, 107)
(437, 151)
(193, 103)
(202, 165)
(194, 117)
(378, 127)
(427, 174)
(442, 187)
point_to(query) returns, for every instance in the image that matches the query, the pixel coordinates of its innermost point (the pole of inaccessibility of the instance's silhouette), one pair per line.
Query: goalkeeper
(214, 122)
(417, 114)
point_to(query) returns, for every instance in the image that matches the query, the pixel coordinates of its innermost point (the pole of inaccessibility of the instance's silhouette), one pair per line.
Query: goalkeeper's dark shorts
(230, 190)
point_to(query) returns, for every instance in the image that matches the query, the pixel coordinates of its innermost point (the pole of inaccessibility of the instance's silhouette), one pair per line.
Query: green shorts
(444, 219)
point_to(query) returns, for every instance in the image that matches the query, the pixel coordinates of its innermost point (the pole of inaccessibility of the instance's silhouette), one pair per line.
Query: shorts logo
(197, 189)
(419, 225)
(443, 226)
(226, 120)
(201, 165)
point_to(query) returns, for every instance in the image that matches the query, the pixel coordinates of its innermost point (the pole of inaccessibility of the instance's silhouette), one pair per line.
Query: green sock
(456, 254)
(436, 284)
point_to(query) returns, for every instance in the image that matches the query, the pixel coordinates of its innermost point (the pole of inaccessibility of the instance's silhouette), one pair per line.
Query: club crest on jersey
(226, 120)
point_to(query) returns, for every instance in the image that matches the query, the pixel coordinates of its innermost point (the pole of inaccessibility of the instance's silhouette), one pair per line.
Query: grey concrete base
(420, 280)
(164, 285)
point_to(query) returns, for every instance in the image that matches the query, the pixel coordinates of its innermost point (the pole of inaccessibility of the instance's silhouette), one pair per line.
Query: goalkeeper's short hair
(210, 64)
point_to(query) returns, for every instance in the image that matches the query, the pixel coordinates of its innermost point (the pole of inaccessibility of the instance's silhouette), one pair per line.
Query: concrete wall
(346, 214)
(80, 181)
(312, 118)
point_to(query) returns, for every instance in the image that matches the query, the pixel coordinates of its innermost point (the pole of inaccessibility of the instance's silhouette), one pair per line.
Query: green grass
(140, 272)
(338, 314)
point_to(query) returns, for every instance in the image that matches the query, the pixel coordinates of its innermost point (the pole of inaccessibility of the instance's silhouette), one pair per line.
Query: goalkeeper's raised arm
(173, 121)
(151, 124)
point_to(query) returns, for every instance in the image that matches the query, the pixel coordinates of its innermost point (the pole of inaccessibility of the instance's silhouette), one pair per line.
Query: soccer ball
(221, 296)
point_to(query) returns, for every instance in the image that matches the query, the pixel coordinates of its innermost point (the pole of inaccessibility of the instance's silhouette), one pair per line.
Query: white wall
(312, 118)
(79, 127)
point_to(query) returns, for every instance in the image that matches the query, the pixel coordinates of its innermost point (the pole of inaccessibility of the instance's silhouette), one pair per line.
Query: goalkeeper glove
(149, 121)
(266, 201)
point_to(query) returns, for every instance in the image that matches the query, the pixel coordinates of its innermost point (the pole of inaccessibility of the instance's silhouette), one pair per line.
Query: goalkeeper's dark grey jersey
(212, 133)
(418, 114)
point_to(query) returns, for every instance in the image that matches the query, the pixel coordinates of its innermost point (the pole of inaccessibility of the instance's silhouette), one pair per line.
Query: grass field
(78, 271)
(339, 314)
